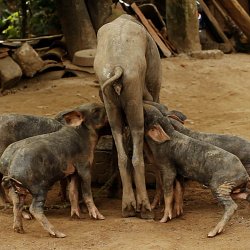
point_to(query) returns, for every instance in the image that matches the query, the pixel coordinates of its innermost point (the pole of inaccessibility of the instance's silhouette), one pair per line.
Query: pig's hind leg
(85, 174)
(36, 209)
(18, 202)
(223, 194)
(74, 196)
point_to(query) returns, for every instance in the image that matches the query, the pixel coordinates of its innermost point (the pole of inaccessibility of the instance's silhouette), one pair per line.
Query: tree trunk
(238, 14)
(99, 11)
(182, 25)
(23, 19)
(76, 25)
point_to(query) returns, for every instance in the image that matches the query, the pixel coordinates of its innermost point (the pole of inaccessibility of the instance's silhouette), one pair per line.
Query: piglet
(175, 153)
(231, 143)
(34, 164)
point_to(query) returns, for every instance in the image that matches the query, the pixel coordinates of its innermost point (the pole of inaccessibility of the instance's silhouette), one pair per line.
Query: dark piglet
(231, 143)
(175, 153)
(15, 127)
(34, 164)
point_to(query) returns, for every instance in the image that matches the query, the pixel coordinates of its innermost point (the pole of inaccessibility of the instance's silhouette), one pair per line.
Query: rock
(55, 54)
(28, 59)
(50, 65)
(207, 54)
(84, 57)
(10, 73)
(51, 75)
(4, 52)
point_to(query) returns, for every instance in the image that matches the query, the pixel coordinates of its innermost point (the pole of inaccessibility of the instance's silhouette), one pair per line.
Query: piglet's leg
(74, 196)
(168, 176)
(36, 209)
(168, 211)
(84, 172)
(158, 191)
(223, 195)
(18, 202)
(178, 198)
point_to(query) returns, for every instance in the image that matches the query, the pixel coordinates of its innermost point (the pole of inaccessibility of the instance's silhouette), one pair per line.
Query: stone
(10, 73)
(207, 54)
(28, 59)
(84, 58)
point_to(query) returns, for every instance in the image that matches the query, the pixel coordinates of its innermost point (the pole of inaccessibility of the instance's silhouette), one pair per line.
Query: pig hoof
(147, 215)
(177, 212)
(96, 214)
(19, 230)
(57, 234)
(77, 216)
(129, 209)
(26, 215)
(165, 218)
(100, 216)
(128, 212)
(155, 205)
(214, 232)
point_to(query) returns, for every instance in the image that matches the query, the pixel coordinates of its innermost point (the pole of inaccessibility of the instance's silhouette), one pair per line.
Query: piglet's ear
(158, 134)
(73, 118)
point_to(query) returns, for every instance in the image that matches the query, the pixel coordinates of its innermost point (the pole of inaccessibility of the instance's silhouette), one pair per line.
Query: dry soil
(213, 93)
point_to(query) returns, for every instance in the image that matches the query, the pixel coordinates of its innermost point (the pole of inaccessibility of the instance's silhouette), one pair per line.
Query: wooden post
(99, 11)
(182, 25)
(238, 14)
(76, 24)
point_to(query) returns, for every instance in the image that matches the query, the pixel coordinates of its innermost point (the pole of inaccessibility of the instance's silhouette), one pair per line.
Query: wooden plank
(214, 22)
(169, 46)
(229, 21)
(238, 14)
(166, 52)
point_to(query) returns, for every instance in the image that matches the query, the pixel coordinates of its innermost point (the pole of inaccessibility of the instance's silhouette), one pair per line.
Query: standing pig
(34, 164)
(175, 153)
(15, 127)
(127, 64)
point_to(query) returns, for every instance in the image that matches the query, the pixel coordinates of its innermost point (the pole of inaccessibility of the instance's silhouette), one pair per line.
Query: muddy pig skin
(34, 164)
(231, 143)
(15, 127)
(128, 67)
(175, 153)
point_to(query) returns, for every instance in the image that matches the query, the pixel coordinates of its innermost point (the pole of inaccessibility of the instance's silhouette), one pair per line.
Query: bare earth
(215, 96)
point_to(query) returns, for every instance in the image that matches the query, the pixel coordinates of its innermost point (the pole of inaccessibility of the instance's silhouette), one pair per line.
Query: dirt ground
(215, 96)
